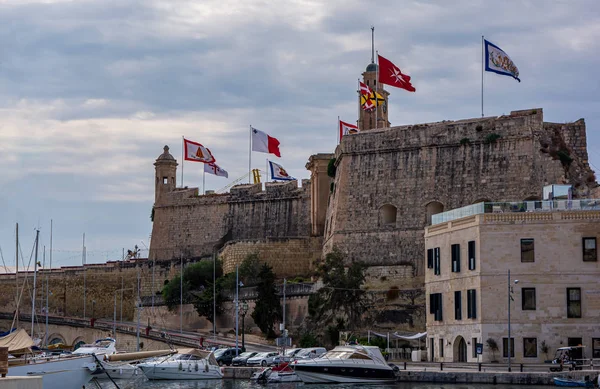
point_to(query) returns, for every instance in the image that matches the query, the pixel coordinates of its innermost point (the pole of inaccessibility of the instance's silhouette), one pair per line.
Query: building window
(430, 258)
(474, 346)
(165, 180)
(530, 347)
(595, 347)
(505, 347)
(441, 348)
(527, 254)
(471, 255)
(457, 305)
(528, 299)
(455, 258)
(472, 304)
(573, 302)
(436, 261)
(387, 214)
(435, 306)
(589, 249)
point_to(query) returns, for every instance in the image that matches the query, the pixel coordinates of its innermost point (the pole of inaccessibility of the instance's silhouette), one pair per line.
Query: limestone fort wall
(389, 181)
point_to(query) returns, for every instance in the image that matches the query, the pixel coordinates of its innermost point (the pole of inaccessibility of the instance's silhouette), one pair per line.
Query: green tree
(171, 292)
(342, 295)
(267, 308)
(249, 270)
(203, 302)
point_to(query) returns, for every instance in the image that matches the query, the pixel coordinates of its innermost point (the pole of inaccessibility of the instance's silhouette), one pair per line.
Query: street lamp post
(510, 298)
(243, 312)
(93, 309)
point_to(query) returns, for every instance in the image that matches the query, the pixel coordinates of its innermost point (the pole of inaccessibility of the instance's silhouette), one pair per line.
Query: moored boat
(186, 364)
(572, 383)
(346, 364)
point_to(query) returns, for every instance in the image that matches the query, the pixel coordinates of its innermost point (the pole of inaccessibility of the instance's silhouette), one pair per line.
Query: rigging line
(4, 263)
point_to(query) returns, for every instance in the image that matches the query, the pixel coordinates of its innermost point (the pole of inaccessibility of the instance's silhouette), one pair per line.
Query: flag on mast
(369, 99)
(264, 143)
(390, 74)
(347, 129)
(497, 61)
(212, 168)
(194, 151)
(278, 172)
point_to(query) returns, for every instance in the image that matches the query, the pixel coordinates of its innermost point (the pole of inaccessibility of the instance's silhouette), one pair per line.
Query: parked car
(242, 358)
(287, 357)
(224, 356)
(310, 353)
(262, 359)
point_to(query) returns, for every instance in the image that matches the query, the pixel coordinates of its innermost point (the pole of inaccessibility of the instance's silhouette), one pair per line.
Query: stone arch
(78, 342)
(432, 208)
(387, 215)
(459, 350)
(56, 338)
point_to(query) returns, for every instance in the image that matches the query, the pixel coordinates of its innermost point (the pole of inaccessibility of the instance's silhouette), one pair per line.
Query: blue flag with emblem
(497, 61)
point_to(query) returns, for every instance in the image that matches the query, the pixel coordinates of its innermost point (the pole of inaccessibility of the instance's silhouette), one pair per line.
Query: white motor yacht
(186, 364)
(102, 348)
(346, 364)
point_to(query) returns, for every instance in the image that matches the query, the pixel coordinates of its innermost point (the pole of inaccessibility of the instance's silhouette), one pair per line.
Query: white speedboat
(346, 364)
(186, 364)
(102, 348)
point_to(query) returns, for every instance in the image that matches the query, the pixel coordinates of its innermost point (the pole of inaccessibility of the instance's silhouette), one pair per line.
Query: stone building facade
(552, 254)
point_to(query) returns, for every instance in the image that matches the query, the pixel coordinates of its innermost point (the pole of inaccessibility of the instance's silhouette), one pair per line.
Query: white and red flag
(347, 129)
(390, 74)
(196, 152)
(212, 168)
(264, 143)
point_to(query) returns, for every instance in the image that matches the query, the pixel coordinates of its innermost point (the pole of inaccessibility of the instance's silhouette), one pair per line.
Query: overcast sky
(91, 91)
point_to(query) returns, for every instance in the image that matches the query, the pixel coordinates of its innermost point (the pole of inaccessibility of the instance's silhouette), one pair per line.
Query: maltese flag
(264, 143)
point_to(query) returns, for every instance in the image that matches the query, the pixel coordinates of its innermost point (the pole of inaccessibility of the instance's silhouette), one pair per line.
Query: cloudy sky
(91, 91)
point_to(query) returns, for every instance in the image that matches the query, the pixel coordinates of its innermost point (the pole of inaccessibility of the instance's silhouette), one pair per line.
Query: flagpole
(182, 158)
(338, 135)
(250, 156)
(203, 178)
(358, 90)
(482, 66)
(375, 92)
(267, 177)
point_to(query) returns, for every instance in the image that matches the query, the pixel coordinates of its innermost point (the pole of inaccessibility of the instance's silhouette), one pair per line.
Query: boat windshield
(186, 357)
(345, 355)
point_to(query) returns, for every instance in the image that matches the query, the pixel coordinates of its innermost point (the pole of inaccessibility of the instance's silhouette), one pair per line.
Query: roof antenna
(372, 44)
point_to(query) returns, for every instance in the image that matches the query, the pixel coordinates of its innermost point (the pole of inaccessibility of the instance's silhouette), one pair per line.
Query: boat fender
(196, 367)
(180, 366)
(189, 367)
(206, 367)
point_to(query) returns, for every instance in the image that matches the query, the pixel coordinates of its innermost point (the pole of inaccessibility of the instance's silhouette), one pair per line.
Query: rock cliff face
(390, 181)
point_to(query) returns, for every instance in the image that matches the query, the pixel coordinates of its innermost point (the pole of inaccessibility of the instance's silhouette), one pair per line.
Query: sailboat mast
(17, 277)
(37, 238)
(48, 283)
(83, 264)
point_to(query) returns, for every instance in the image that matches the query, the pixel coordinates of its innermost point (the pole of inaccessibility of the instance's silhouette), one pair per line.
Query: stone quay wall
(390, 181)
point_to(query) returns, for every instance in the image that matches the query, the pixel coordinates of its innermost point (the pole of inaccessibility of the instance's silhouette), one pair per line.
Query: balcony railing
(517, 206)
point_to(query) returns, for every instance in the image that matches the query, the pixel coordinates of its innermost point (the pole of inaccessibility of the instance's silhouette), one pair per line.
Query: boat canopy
(198, 353)
(17, 342)
(356, 352)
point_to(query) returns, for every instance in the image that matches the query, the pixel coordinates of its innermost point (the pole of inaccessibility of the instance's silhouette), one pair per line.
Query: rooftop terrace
(517, 206)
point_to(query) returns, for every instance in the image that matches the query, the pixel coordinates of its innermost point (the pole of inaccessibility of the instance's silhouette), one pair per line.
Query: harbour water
(246, 384)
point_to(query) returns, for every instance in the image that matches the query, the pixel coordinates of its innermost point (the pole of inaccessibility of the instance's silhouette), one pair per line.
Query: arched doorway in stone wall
(432, 208)
(460, 350)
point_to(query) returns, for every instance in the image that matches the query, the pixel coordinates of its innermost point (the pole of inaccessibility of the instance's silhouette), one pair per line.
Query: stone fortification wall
(289, 257)
(66, 287)
(189, 225)
(390, 181)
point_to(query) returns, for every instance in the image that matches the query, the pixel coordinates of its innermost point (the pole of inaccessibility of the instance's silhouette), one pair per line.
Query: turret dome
(165, 156)
(372, 67)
